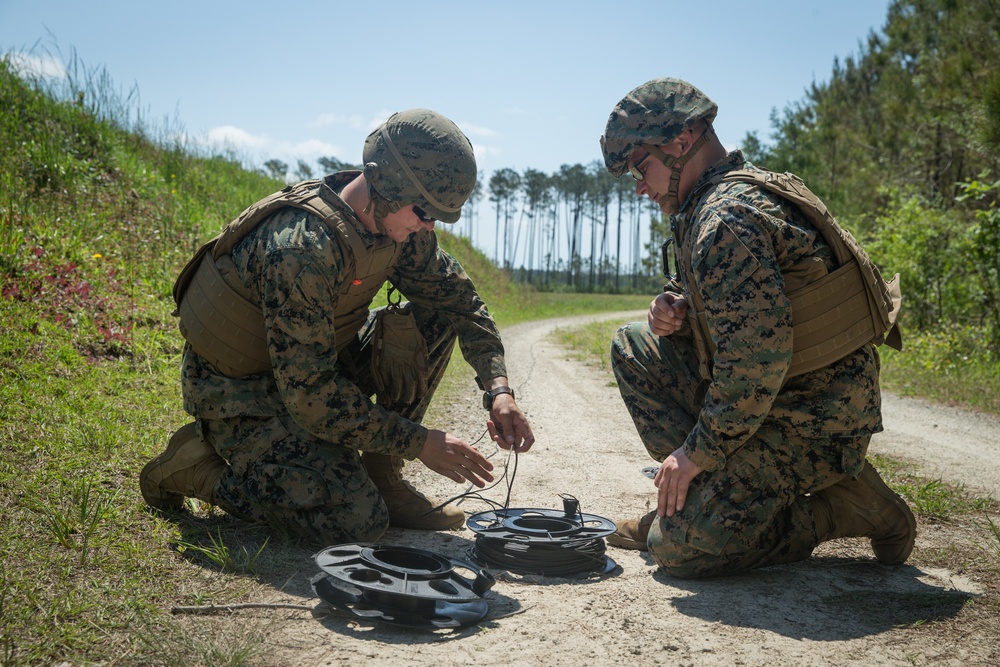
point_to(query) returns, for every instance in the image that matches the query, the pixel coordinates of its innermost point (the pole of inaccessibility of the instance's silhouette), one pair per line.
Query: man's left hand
(508, 426)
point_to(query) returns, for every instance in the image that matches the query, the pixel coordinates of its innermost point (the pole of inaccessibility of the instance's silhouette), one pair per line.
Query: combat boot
(188, 468)
(866, 507)
(634, 533)
(408, 508)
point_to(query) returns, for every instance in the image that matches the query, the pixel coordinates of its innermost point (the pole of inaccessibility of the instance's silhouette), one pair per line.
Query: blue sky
(530, 83)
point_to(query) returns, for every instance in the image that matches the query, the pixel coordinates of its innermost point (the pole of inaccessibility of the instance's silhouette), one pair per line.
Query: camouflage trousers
(753, 512)
(281, 475)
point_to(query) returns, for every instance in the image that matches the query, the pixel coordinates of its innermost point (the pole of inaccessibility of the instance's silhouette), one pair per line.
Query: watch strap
(493, 393)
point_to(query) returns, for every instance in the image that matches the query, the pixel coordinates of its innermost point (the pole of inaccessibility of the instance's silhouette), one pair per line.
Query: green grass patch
(932, 499)
(946, 365)
(591, 342)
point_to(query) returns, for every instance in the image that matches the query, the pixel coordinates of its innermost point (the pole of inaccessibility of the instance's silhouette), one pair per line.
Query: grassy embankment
(95, 221)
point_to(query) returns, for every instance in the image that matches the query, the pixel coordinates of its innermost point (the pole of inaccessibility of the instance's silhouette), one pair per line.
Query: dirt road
(802, 614)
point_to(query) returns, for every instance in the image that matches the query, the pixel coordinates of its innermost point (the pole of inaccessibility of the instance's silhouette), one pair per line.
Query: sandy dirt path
(587, 447)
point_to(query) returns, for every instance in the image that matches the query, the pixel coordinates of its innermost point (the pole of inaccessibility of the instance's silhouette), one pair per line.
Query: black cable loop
(475, 495)
(552, 560)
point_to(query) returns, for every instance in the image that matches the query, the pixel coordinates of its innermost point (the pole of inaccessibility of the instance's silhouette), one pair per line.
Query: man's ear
(685, 140)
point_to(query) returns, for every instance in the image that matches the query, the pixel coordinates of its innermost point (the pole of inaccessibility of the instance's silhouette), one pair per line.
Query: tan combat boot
(866, 507)
(408, 508)
(634, 533)
(188, 468)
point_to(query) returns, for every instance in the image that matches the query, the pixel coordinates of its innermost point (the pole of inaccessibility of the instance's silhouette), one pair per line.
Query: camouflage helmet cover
(654, 113)
(420, 157)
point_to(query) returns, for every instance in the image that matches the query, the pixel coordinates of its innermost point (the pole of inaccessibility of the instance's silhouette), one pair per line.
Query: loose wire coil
(551, 560)
(542, 541)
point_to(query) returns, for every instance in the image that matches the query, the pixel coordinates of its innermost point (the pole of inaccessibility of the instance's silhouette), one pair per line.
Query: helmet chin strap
(676, 164)
(379, 207)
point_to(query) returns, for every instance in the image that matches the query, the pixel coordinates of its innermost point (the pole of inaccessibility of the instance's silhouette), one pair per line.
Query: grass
(591, 343)
(990, 542)
(96, 218)
(946, 365)
(222, 556)
(74, 520)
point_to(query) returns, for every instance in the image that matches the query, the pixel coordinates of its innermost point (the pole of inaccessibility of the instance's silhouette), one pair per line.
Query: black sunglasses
(636, 172)
(421, 215)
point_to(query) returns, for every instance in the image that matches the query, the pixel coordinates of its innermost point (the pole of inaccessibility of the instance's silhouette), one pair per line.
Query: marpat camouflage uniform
(292, 436)
(762, 442)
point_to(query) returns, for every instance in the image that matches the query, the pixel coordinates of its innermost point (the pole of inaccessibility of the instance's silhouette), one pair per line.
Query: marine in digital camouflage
(292, 436)
(762, 441)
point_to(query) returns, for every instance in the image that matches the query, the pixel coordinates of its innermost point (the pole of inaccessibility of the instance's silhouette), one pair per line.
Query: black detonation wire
(477, 495)
(532, 557)
(547, 559)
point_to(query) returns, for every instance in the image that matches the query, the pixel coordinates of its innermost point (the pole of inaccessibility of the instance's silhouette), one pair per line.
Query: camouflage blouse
(736, 240)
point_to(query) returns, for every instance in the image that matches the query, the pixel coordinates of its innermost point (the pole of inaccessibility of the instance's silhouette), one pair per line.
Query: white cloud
(229, 136)
(45, 66)
(378, 118)
(489, 157)
(353, 121)
(259, 148)
(477, 130)
(315, 147)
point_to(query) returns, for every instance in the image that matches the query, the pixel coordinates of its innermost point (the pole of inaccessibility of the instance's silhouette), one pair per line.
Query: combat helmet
(654, 114)
(419, 157)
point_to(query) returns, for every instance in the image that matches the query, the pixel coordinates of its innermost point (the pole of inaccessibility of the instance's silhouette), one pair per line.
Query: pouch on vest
(834, 314)
(399, 356)
(221, 324)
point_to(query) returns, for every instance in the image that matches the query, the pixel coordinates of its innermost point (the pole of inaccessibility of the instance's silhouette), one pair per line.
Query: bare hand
(508, 426)
(450, 456)
(673, 479)
(666, 313)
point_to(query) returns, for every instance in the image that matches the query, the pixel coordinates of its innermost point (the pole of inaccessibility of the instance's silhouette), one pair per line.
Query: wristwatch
(493, 393)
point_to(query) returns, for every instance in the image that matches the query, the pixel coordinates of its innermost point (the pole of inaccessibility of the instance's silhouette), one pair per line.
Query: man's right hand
(666, 313)
(449, 456)
(672, 481)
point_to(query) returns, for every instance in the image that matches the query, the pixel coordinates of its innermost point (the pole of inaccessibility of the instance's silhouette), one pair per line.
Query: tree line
(903, 144)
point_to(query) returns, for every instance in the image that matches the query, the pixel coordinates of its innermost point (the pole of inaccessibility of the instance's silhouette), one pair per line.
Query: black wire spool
(401, 585)
(542, 541)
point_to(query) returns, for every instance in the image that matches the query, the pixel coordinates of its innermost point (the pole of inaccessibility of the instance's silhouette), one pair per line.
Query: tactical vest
(833, 314)
(220, 318)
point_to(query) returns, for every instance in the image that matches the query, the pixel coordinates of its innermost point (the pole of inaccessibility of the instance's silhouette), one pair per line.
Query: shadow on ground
(822, 599)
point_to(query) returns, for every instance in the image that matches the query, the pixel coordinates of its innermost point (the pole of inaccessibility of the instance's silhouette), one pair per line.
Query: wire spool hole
(407, 561)
(547, 525)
